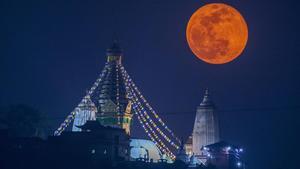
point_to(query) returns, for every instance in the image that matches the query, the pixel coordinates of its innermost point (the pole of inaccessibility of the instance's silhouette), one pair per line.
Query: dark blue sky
(52, 51)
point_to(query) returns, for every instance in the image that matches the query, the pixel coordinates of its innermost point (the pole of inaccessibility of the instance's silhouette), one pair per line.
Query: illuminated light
(241, 150)
(239, 164)
(71, 117)
(140, 114)
(155, 136)
(154, 125)
(126, 76)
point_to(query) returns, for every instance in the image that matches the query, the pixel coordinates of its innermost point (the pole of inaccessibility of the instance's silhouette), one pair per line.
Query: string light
(132, 85)
(153, 123)
(144, 121)
(138, 101)
(71, 116)
(143, 118)
(153, 136)
(117, 94)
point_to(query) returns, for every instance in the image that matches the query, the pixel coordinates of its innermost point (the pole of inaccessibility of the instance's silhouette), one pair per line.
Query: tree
(23, 121)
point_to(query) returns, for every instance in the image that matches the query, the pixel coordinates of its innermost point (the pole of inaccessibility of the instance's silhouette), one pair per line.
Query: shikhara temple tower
(108, 103)
(206, 127)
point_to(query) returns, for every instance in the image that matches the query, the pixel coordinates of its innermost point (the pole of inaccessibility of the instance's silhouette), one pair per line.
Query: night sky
(52, 51)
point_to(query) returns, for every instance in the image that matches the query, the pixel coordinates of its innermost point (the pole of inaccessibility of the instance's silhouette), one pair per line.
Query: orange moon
(217, 33)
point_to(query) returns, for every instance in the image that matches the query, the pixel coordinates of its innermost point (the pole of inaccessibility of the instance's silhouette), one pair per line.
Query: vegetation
(23, 121)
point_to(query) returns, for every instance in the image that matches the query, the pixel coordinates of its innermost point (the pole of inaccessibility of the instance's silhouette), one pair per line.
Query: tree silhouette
(23, 121)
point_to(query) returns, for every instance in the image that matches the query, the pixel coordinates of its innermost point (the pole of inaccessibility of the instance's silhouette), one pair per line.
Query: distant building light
(205, 148)
(93, 151)
(239, 164)
(241, 150)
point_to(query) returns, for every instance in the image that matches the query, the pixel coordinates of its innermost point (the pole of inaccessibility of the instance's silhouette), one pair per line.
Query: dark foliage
(23, 121)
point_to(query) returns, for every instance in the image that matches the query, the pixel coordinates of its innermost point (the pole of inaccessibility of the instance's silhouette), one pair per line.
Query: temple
(109, 97)
(224, 155)
(86, 110)
(114, 108)
(206, 127)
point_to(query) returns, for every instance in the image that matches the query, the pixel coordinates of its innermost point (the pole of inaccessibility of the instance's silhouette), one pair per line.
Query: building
(113, 98)
(114, 108)
(94, 142)
(182, 155)
(86, 110)
(206, 127)
(223, 155)
(188, 146)
(108, 103)
(146, 149)
(17, 152)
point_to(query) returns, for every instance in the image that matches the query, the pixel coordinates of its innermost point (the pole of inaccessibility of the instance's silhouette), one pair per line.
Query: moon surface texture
(217, 33)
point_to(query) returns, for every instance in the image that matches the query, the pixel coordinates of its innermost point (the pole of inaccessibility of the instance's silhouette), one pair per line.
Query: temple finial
(206, 92)
(114, 52)
(206, 99)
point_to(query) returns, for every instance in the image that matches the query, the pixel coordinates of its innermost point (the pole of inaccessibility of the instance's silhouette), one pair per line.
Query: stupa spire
(114, 52)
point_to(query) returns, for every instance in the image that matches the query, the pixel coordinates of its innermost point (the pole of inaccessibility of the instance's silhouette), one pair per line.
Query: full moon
(217, 33)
